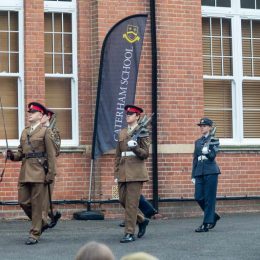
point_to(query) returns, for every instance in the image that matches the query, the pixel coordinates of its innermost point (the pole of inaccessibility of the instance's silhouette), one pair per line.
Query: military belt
(127, 153)
(34, 155)
(202, 158)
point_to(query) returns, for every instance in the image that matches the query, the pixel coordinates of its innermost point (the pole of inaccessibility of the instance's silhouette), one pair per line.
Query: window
(217, 46)
(251, 47)
(11, 72)
(58, 43)
(231, 68)
(251, 68)
(217, 63)
(61, 70)
(251, 109)
(218, 105)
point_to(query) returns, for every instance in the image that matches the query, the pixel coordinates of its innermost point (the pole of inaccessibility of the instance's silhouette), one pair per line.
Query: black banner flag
(120, 56)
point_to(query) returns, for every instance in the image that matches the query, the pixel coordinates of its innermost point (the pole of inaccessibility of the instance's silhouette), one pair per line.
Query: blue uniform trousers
(205, 195)
(146, 207)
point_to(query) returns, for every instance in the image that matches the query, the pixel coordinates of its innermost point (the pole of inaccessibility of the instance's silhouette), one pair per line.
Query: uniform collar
(205, 136)
(130, 128)
(33, 127)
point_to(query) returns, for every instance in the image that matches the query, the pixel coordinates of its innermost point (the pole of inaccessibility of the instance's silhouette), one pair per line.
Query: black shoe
(202, 228)
(56, 216)
(31, 241)
(142, 227)
(217, 218)
(122, 224)
(44, 227)
(55, 219)
(127, 238)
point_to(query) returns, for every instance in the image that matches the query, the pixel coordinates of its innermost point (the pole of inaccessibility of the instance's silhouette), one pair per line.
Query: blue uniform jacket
(208, 166)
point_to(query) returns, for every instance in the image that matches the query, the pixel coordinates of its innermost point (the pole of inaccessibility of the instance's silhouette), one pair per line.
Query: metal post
(154, 104)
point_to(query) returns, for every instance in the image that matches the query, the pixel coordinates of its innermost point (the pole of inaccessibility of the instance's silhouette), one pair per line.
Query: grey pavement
(234, 237)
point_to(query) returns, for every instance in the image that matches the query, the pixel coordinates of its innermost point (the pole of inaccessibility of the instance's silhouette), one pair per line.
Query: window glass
(257, 4)
(251, 109)
(58, 43)
(223, 3)
(58, 98)
(218, 105)
(9, 43)
(9, 68)
(217, 46)
(208, 2)
(251, 47)
(216, 3)
(248, 4)
(9, 93)
(58, 62)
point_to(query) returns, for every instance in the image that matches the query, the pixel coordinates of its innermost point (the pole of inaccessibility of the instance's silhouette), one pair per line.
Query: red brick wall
(180, 70)
(180, 105)
(85, 69)
(34, 51)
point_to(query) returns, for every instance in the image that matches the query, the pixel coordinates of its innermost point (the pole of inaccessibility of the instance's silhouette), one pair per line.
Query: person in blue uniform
(205, 173)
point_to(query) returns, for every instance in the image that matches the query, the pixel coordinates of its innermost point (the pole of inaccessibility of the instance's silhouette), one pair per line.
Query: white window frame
(236, 14)
(69, 7)
(17, 5)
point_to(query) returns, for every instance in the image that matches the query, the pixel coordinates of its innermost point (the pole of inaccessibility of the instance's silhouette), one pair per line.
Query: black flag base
(88, 214)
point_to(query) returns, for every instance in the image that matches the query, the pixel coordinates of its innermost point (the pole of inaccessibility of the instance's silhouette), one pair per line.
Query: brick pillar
(34, 51)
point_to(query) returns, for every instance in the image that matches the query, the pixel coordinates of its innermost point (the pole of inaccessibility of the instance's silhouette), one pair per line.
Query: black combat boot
(142, 227)
(202, 228)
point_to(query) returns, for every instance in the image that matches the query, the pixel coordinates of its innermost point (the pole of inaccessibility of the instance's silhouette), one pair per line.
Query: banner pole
(89, 214)
(90, 179)
(90, 184)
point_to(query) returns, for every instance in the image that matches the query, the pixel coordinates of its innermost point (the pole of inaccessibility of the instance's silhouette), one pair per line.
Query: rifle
(211, 136)
(56, 135)
(53, 121)
(212, 132)
(141, 129)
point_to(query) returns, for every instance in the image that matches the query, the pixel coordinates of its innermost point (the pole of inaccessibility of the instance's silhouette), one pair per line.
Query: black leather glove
(48, 179)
